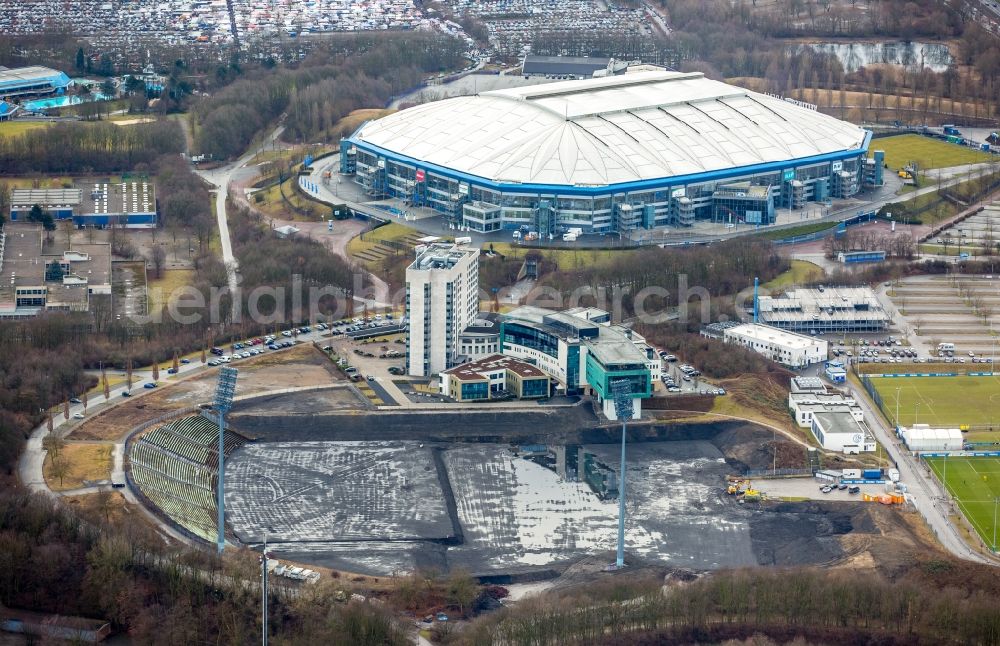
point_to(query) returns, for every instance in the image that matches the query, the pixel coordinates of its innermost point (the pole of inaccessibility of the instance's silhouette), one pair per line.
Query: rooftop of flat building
(474, 371)
(839, 422)
(441, 255)
(25, 255)
(770, 334)
(92, 197)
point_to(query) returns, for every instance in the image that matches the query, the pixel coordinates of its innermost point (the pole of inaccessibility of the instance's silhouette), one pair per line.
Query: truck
(852, 474)
(893, 475)
(871, 474)
(463, 240)
(950, 129)
(569, 237)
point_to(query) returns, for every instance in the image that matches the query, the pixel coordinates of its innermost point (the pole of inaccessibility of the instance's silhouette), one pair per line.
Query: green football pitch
(974, 483)
(941, 401)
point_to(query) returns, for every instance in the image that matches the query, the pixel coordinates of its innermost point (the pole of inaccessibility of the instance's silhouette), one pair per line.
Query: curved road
(220, 178)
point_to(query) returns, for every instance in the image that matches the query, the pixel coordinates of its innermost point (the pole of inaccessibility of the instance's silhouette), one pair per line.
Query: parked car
(171, 371)
(149, 385)
(185, 361)
(75, 400)
(77, 415)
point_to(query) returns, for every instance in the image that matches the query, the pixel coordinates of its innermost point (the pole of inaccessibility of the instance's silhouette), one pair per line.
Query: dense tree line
(285, 266)
(664, 274)
(184, 202)
(358, 72)
(110, 567)
(821, 606)
(88, 148)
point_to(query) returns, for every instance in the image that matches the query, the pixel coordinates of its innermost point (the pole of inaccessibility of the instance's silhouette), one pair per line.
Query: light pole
(621, 390)
(224, 392)
(897, 410)
(995, 501)
(263, 569)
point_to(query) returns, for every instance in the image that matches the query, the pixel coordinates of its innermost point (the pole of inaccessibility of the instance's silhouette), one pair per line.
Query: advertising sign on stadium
(789, 175)
(837, 165)
(753, 217)
(678, 192)
(463, 188)
(420, 174)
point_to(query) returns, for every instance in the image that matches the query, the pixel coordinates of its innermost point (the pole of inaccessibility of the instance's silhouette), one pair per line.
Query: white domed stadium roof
(639, 126)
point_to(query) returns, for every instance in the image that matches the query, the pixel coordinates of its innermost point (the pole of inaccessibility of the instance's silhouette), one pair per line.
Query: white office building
(442, 299)
(787, 348)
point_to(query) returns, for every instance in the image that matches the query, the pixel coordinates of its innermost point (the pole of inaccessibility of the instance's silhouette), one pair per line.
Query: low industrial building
(495, 377)
(836, 372)
(837, 422)
(570, 67)
(860, 257)
(839, 430)
(32, 81)
(804, 405)
(824, 309)
(32, 281)
(921, 437)
(130, 204)
(581, 355)
(786, 348)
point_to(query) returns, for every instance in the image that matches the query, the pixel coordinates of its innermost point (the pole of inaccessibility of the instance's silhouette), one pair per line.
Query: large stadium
(644, 149)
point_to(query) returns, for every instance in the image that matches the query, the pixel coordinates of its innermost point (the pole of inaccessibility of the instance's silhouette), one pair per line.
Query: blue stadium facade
(593, 156)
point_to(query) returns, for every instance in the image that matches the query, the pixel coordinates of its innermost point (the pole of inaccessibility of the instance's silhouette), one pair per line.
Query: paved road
(927, 496)
(220, 179)
(29, 468)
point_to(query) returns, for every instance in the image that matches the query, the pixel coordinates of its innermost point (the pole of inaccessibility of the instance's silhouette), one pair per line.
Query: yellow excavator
(743, 488)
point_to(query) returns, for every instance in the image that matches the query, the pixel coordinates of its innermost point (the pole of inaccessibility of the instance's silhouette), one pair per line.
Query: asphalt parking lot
(810, 488)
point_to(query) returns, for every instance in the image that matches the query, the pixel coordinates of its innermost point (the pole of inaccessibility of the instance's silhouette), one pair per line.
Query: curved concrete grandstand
(175, 466)
(648, 148)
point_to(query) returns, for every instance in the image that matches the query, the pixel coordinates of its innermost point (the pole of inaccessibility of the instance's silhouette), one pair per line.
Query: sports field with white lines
(942, 401)
(974, 483)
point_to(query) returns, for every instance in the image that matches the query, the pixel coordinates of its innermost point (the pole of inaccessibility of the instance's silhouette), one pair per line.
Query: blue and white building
(32, 81)
(130, 204)
(644, 149)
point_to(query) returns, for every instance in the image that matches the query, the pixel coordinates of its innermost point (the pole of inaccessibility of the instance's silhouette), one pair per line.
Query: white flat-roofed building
(841, 431)
(787, 348)
(921, 437)
(442, 299)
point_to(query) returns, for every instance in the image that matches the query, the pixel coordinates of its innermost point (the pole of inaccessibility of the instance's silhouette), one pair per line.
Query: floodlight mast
(621, 390)
(224, 391)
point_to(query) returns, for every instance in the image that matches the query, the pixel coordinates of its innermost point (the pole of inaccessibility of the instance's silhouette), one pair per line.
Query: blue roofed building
(32, 81)
(7, 110)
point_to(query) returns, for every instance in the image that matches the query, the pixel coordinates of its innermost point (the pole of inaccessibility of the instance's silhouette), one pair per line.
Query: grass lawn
(366, 247)
(565, 259)
(353, 121)
(801, 272)
(950, 250)
(161, 289)
(85, 460)
(791, 232)
(975, 485)
(942, 401)
(17, 127)
(927, 152)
